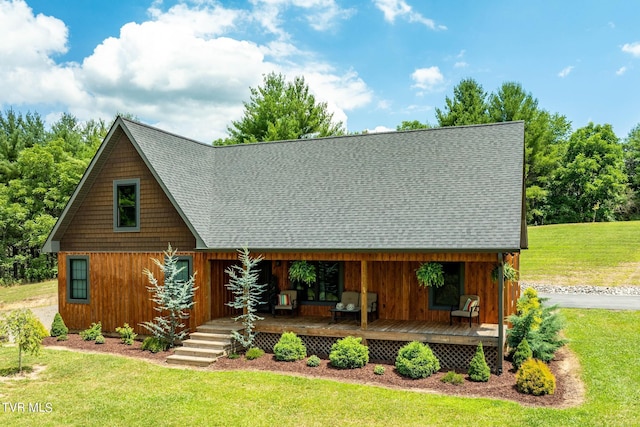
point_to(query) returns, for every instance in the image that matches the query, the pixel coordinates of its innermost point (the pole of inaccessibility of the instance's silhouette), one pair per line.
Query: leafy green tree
(280, 110)
(591, 184)
(243, 284)
(412, 125)
(173, 297)
(468, 107)
(631, 150)
(26, 331)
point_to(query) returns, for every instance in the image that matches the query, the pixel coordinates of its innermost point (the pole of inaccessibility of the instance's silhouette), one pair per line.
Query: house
(366, 209)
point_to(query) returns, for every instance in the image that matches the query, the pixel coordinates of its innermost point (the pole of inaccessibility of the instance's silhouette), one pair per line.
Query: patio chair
(372, 305)
(469, 307)
(287, 301)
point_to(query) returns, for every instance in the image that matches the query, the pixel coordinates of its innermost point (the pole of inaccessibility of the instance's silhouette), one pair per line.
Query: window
(126, 205)
(78, 279)
(444, 297)
(328, 285)
(184, 263)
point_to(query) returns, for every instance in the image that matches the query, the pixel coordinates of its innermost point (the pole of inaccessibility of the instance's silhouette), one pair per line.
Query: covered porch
(454, 345)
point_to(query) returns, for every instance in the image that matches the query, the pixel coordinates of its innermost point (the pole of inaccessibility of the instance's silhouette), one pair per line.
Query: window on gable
(444, 297)
(126, 205)
(78, 279)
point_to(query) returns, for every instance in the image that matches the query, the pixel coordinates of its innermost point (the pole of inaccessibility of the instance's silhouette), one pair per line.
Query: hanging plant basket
(510, 274)
(430, 274)
(302, 271)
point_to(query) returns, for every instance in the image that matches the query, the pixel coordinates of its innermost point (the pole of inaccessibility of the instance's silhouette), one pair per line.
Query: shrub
(64, 337)
(452, 377)
(522, 353)
(153, 344)
(233, 356)
(539, 324)
(534, 377)
(126, 334)
(313, 361)
(92, 333)
(349, 353)
(289, 348)
(58, 328)
(378, 370)
(478, 369)
(416, 360)
(100, 339)
(254, 353)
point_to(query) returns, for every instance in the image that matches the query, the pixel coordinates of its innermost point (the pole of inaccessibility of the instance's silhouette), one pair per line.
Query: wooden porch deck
(379, 329)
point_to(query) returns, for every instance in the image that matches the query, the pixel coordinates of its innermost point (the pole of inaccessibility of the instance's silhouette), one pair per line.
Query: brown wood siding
(91, 228)
(118, 291)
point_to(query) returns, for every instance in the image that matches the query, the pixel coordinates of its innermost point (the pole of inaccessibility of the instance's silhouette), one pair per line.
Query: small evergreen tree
(523, 352)
(58, 328)
(173, 296)
(243, 283)
(25, 329)
(478, 369)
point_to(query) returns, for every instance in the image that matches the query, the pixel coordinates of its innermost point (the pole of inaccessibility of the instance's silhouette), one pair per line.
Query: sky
(186, 66)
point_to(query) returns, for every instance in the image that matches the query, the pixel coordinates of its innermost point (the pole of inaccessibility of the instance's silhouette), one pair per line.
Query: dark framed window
(444, 297)
(126, 205)
(78, 279)
(185, 263)
(328, 286)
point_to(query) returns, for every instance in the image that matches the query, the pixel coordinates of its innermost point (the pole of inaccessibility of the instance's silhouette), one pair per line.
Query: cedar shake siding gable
(92, 225)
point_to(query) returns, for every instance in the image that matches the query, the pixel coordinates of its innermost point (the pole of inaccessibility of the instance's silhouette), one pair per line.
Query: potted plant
(510, 274)
(430, 274)
(302, 271)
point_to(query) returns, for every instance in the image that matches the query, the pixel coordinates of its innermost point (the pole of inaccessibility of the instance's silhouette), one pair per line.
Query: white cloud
(460, 64)
(321, 15)
(427, 79)
(621, 71)
(632, 48)
(178, 70)
(379, 129)
(399, 8)
(565, 71)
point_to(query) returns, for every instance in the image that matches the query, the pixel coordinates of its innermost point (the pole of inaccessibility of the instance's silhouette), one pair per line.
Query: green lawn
(601, 254)
(30, 295)
(102, 390)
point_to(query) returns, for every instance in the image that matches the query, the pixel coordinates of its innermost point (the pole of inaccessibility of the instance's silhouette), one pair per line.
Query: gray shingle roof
(446, 189)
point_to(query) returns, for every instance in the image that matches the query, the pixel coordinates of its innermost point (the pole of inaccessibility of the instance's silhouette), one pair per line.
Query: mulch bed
(569, 389)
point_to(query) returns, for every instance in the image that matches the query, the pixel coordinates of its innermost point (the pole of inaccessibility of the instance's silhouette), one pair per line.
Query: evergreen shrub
(535, 377)
(58, 328)
(522, 353)
(349, 353)
(154, 345)
(100, 339)
(92, 333)
(416, 360)
(478, 369)
(254, 353)
(289, 348)
(378, 370)
(313, 361)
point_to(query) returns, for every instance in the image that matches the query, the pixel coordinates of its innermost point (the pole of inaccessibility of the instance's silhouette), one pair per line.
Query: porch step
(208, 344)
(177, 359)
(210, 336)
(207, 353)
(204, 346)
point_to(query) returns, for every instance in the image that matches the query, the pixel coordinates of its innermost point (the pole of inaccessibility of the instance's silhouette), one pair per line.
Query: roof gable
(446, 189)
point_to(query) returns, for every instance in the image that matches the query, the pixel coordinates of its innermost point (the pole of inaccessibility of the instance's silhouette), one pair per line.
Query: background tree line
(581, 175)
(39, 169)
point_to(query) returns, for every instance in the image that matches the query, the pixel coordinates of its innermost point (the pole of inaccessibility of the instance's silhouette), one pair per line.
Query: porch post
(500, 312)
(364, 279)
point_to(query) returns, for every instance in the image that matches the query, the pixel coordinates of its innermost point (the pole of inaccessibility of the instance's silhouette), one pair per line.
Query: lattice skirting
(450, 356)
